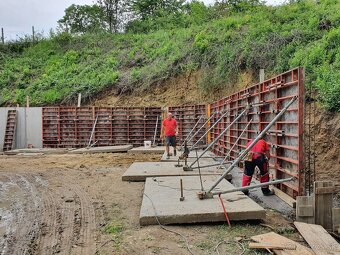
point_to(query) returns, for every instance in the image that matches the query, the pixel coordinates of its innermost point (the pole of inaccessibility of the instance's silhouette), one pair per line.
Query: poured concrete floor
(161, 199)
(139, 171)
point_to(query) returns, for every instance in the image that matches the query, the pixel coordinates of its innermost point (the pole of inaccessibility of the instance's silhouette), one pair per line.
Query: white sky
(18, 16)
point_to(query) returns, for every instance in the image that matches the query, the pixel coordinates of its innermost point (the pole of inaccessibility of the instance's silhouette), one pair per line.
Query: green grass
(275, 38)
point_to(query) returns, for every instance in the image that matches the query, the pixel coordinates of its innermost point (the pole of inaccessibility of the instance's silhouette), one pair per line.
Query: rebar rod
(244, 153)
(220, 135)
(264, 184)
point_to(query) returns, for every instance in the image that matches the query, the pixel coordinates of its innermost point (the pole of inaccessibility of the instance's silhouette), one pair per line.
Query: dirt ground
(77, 204)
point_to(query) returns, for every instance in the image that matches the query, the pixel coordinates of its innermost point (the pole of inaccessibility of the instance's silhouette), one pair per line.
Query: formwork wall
(187, 117)
(71, 127)
(285, 137)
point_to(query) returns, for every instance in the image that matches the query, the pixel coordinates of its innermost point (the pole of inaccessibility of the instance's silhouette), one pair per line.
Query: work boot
(245, 192)
(267, 192)
(175, 153)
(246, 182)
(167, 156)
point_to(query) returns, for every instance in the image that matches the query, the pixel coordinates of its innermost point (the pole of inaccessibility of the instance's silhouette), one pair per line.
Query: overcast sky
(18, 16)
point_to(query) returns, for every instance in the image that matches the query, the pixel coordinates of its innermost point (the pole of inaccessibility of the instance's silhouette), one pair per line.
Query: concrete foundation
(143, 150)
(40, 151)
(192, 156)
(139, 171)
(28, 129)
(164, 192)
(103, 149)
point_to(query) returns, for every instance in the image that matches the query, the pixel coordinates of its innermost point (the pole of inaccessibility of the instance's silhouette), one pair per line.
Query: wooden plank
(318, 238)
(323, 205)
(336, 220)
(284, 197)
(272, 246)
(325, 190)
(305, 209)
(277, 239)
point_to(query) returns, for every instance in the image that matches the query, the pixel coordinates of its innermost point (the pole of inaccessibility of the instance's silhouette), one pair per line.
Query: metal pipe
(223, 115)
(154, 136)
(201, 128)
(238, 138)
(186, 139)
(199, 172)
(264, 184)
(244, 153)
(220, 135)
(217, 164)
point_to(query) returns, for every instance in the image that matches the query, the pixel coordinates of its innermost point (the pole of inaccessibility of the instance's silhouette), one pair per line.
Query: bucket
(147, 144)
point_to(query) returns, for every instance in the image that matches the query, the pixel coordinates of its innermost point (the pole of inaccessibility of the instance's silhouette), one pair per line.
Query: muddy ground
(77, 204)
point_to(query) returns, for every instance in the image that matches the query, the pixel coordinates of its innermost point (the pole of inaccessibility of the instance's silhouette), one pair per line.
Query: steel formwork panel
(285, 137)
(187, 117)
(67, 127)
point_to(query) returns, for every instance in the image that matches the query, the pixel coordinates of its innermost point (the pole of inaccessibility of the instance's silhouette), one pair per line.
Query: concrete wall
(29, 126)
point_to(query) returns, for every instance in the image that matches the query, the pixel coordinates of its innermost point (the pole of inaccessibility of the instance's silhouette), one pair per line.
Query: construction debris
(319, 240)
(274, 239)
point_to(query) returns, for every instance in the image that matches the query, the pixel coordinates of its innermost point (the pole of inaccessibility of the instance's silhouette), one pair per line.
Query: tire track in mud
(24, 227)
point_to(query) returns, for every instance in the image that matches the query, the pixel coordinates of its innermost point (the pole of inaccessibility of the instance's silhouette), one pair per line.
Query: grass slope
(275, 38)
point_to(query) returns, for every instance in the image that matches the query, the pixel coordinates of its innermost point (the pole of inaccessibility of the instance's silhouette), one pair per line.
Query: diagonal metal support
(192, 130)
(244, 153)
(216, 139)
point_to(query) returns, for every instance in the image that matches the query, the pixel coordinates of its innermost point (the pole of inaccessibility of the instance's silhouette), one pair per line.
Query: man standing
(170, 129)
(259, 157)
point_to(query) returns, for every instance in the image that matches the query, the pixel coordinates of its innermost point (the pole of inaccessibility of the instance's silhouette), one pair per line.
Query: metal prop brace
(186, 139)
(216, 139)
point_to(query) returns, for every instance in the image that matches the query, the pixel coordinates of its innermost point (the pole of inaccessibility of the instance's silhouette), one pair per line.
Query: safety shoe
(175, 153)
(168, 156)
(268, 192)
(245, 192)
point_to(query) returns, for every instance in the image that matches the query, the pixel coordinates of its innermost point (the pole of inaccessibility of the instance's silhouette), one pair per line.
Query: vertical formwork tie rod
(201, 128)
(223, 115)
(220, 135)
(192, 130)
(244, 153)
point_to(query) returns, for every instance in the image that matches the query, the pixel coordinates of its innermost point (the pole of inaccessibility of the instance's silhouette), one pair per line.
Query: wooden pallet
(10, 133)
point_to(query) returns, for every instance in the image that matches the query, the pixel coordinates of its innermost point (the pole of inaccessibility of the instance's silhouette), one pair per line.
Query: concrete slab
(143, 150)
(139, 171)
(192, 156)
(37, 151)
(103, 149)
(164, 193)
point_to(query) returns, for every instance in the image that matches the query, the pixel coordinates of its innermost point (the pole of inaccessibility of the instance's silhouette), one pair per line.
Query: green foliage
(82, 18)
(219, 40)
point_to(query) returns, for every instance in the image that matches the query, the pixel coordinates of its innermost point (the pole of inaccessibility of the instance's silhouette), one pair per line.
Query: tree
(113, 14)
(146, 9)
(82, 18)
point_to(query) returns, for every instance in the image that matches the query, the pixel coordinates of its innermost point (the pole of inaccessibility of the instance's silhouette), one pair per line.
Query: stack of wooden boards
(318, 208)
(316, 236)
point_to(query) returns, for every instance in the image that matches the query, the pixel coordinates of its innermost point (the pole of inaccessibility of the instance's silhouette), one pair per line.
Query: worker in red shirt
(170, 129)
(259, 157)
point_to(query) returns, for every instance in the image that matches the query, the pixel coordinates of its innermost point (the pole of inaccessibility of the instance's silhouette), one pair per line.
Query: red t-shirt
(170, 127)
(260, 147)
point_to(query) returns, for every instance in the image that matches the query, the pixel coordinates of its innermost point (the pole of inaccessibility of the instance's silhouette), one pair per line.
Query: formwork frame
(287, 146)
(66, 127)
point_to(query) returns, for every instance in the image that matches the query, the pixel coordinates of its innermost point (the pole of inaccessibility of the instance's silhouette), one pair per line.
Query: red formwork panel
(187, 117)
(285, 137)
(71, 127)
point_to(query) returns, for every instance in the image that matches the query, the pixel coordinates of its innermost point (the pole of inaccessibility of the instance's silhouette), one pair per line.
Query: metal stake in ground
(199, 171)
(216, 139)
(244, 153)
(182, 196)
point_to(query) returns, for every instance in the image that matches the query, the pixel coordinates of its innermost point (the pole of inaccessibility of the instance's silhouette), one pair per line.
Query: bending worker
(259, 157)
(170, 129)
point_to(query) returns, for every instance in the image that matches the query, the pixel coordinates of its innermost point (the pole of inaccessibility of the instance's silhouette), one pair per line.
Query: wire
(224, 210)
(167, 229)
(230, 242)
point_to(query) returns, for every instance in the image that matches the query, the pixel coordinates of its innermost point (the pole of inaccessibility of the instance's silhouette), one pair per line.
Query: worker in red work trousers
(170, 129)
(259, 157)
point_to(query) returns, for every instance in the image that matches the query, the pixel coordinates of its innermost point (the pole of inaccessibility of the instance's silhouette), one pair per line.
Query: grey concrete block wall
(29, 126)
